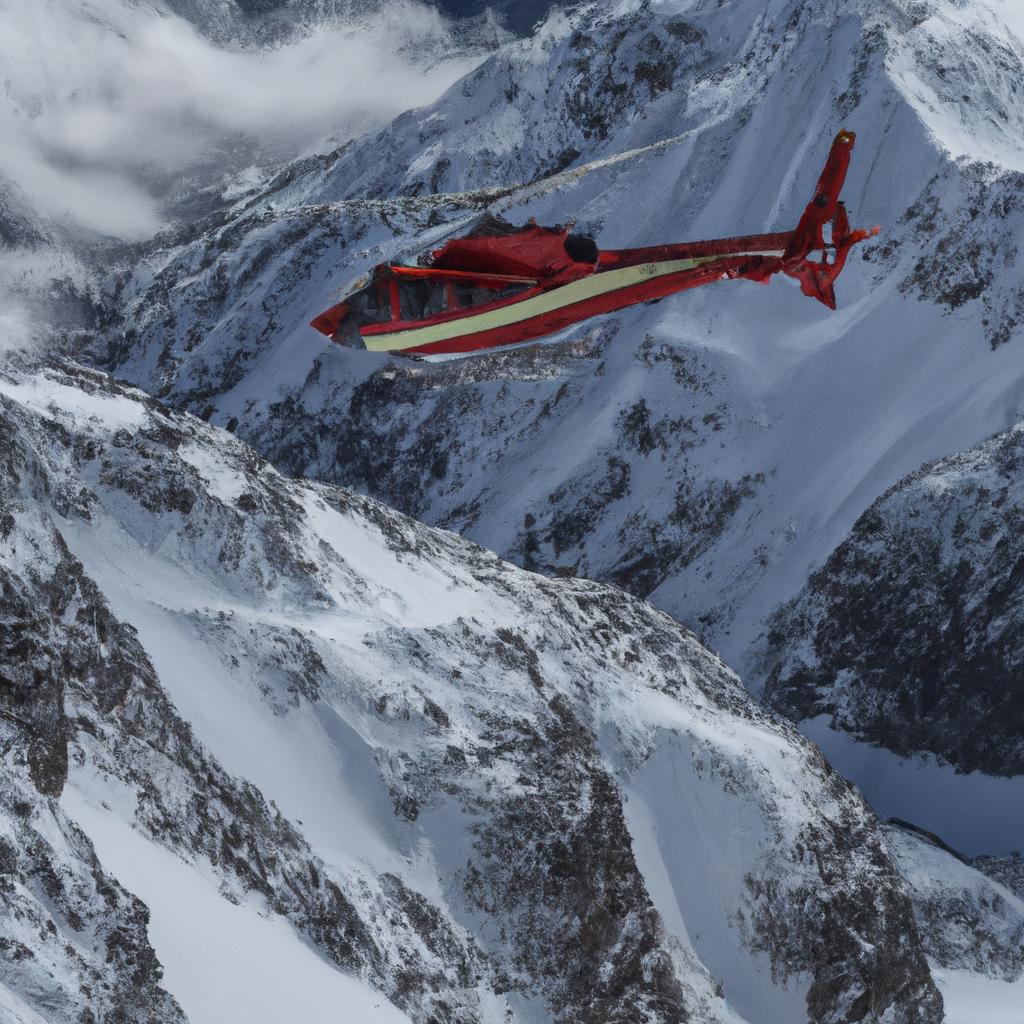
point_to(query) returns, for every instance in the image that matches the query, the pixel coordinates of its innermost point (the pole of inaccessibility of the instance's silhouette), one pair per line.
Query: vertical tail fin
(817, 277)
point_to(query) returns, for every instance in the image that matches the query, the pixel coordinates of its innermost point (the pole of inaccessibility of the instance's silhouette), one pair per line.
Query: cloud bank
(106, 105)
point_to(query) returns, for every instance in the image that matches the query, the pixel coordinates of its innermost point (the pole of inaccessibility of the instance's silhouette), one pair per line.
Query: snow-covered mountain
(481, 794)
(909, 638)
(910, 633)
(971, 923)
(381, 768)
(265, 20)
(706, 451)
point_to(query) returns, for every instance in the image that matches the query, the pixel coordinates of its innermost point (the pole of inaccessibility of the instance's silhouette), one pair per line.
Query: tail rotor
(817, 277)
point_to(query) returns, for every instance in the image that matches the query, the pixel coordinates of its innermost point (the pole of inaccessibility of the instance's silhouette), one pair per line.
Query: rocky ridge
(151, 544)
(685, 489)
(967, 919)
(909, 636)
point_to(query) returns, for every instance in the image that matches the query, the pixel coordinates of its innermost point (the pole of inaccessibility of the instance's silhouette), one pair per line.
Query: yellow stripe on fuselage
(546, 302)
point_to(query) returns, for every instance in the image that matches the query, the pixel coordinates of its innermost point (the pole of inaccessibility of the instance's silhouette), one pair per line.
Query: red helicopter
(501, 285)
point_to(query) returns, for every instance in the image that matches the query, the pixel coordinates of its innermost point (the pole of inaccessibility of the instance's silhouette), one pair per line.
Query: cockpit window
(426, 297)
(421, 297)
(369, 305)
(469, 296)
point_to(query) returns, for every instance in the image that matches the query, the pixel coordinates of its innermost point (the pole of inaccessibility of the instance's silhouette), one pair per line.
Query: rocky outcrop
(74, 941)
(968, 919)
(911, 634)
(512, 725)
(1007, 870)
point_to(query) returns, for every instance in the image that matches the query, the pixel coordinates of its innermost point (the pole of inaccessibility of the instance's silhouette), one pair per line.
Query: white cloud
(104, 102)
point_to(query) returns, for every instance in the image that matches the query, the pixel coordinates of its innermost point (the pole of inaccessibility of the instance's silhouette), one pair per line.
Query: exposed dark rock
(911, 635)
(506, 738)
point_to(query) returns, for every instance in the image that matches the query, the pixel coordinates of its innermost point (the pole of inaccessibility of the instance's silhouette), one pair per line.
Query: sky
(104, 105)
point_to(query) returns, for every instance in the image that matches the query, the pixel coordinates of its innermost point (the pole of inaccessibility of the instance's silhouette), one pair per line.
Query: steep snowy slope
(486, 795)
(705, 451)
(972, 927)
